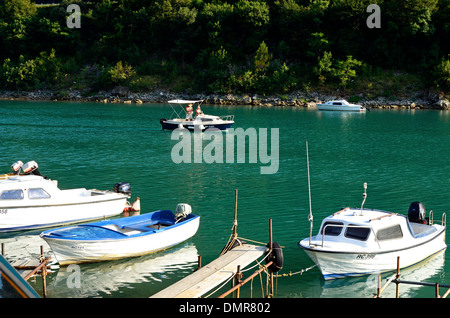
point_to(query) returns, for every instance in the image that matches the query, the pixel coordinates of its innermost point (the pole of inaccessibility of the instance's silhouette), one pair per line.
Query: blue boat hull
(120, 238)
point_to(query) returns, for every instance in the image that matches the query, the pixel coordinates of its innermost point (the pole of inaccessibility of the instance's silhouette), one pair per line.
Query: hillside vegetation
(264, 47)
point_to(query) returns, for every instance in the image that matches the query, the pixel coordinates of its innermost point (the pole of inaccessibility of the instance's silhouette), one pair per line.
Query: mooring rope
(296, 273)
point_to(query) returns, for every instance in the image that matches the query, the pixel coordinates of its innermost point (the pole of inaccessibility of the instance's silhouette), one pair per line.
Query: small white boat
(31, 201)
(359, 241)
(340, 105)
(199, 121)
(121, 238)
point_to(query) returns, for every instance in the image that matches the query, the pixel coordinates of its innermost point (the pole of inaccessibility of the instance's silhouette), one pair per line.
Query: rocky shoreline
(421, 100)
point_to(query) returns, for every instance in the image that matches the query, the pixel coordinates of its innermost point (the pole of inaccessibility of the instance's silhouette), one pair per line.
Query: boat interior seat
(420, 230)
(146, 227)
(142, 228)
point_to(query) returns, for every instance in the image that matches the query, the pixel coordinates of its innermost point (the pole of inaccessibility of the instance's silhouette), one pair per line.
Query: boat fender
(135, 207)
(276, 256)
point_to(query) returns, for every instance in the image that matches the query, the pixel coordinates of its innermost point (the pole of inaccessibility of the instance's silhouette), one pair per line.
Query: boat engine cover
(29, 167)
(416, 213)
(122, 187)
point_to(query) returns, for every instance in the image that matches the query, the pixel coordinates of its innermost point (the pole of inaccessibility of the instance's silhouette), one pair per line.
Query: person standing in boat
(199, 110)
(189, 112)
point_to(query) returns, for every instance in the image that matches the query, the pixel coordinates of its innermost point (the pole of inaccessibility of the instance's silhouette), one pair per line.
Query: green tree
(317, 44)
(262, 59)
(323, 70)
(120, 73)
(345, 71)
(442, 75)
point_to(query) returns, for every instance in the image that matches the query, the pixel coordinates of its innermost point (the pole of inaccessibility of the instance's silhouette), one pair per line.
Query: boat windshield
(390, 233)
(352, 231)
(357, 232)
(332, 228)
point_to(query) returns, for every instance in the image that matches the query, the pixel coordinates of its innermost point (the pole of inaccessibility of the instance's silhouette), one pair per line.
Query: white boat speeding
(360, 241)
(29, 201)
(340, 105)
(199, 121)
(122, 238)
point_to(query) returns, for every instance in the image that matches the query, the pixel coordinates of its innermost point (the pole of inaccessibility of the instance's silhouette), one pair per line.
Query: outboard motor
(31, 167)
(183, 210)
(16, 166)
(122, 187)
(416, 213)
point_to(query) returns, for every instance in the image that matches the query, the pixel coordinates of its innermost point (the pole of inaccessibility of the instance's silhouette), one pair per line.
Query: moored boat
(199, 121)
(122, 238)
(29, 201)
(360, 241)
(340, 105)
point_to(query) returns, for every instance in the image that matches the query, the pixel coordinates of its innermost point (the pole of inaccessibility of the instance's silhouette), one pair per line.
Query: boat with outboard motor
(122, 238)
(360, 241)
(340, 105)
(29, 201)
(198, 122)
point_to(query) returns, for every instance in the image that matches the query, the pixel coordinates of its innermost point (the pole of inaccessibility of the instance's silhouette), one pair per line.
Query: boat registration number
(365, 256)
(3, 211)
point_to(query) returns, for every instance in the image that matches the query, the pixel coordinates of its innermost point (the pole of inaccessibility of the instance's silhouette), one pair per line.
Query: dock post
(271, 248)
(379, 286)
(199, 262)
(238, 277)
(235, 214)
(397, 277)
(233, 238)
(43, 273)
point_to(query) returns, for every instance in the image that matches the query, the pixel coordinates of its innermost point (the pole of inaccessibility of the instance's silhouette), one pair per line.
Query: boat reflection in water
(152, 272)
(430, 270)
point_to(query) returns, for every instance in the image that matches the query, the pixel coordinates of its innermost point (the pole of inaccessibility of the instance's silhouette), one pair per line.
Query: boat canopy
(183, 101)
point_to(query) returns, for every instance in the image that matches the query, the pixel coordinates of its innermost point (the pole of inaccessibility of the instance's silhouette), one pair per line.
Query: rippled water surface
(402, 155)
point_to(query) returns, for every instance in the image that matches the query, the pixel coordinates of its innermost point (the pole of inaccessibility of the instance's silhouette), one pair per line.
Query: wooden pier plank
(25, 263)
(213, 274)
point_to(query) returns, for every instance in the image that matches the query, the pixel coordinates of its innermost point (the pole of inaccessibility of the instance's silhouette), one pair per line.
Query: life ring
(276, 256)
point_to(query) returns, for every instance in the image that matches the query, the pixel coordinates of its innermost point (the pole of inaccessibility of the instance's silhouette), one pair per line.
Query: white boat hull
(346, 108)
(83, 251)
(343, 264)
(43, 216)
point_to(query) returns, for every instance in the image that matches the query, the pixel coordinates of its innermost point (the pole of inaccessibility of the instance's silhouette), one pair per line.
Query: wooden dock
(29, 267)
(213, 274)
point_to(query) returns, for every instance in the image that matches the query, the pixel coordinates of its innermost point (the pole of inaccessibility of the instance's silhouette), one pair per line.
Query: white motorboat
(360, 241)
(121, 238)
(199, 121)
(31, 201)
(340, 105)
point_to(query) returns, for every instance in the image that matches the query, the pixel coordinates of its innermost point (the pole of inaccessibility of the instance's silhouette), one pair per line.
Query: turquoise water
(402, 155)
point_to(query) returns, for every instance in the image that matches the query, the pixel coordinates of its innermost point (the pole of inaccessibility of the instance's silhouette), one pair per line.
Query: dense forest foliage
(274, 46)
